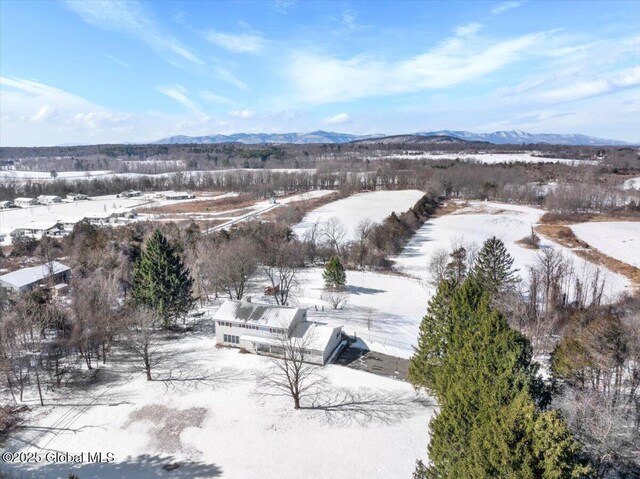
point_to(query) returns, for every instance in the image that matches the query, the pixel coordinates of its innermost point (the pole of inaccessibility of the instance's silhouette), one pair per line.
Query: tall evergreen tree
(489, 423)
(161, 281)
(494, 267)
(334, 275)
(434, 329)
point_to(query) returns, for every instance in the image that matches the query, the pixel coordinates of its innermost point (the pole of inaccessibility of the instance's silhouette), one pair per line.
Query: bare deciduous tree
(233, 265)
(291, 374)
(143, 338)
(334, 232)
(438, 266)
(281, 263)
(336, 298)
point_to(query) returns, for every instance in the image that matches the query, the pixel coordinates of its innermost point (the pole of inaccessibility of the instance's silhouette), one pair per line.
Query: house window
(230, 338)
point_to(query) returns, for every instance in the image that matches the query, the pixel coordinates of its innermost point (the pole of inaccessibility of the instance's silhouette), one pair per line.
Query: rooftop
(266, 314)
(313, 335)
(26, 276)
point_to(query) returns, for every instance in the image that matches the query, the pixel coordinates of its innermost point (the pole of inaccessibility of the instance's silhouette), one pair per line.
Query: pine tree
(456, 269)
(434, 329)
(494, 267)
(161, 281)
(334, 275)
(489, 423)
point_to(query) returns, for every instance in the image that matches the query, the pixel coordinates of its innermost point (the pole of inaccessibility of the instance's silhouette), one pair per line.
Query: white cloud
(130, 18)
(237, 43)
(584, 88)
(244, 114)
(179, 94)
(458, 59)
(215, 98)
(283, 6)
(336, 119)
(506, 6)
(468, 29)
(117, 61)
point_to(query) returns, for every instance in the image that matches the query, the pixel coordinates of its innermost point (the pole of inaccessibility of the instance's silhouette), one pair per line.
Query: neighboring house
(25, 202)
(262, 328)
(48, 199)
(99, 219)
(26, 279)
(175, 195)
(77, 197)
(129, 194)
(6, 204)
(38, 230)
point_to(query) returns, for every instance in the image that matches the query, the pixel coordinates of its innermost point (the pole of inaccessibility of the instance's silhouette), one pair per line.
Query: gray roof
(266, 314)
(27, 276)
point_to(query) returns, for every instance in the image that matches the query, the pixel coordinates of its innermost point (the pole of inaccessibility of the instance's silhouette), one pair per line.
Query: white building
(25, 202)
(77, 197)
(48, 199)
(38, 229)
(261, 328)
(178, 195)
(26, 279)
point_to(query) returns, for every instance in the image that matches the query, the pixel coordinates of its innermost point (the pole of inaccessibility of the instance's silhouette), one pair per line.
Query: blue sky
(105, 72)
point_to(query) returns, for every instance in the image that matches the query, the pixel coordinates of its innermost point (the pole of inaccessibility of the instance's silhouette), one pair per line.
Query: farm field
(375, 205)
(473, 224)
(618, 239)
(491, 158)
(216, 420)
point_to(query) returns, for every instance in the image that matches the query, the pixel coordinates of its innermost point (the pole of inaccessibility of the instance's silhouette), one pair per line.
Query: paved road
(373, 362)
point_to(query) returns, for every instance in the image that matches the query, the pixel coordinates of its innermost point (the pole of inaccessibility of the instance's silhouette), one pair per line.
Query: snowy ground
(472, 225)
(489, 158)
(376, 206)
(620, 239)
(217, 421)
(383, 310)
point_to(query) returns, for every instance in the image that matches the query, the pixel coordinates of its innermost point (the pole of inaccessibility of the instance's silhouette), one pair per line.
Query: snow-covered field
(375, 205)
(489, 158)
(619, 239)
(472, 225)
(383, 310)
(215, 420)
(20, 175)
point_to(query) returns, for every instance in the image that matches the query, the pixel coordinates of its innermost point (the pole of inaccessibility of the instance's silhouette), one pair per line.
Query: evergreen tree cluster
(161, 281)
(492, 420)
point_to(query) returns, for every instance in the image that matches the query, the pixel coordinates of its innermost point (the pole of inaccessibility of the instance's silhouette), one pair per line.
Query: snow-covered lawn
(375, 205)
(490, 158)
(383, 310)
(223, 424)
(481, 220)
(619, 239)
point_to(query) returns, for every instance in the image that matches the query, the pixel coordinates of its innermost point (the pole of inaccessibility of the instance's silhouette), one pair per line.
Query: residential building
(26, 279)
(262, 329)
(48, 199)
(25, 202)
(6, 204)
(38, 230)
(77, 197)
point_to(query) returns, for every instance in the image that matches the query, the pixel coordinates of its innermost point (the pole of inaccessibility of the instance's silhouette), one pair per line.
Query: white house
(25, 202)
(26, 279)
(48, 199)
(261, 328)
(38, 229)
(77, 197)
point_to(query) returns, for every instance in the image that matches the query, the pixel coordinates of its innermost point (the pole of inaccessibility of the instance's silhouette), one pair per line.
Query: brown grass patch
(550, 218)
(449, 208)
(564, 235)
(301, 207)
(204, 206)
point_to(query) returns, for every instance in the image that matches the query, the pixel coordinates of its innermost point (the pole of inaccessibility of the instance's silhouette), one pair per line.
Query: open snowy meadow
(476, 222)
(376, 206)
(618, 239)
(208, 411)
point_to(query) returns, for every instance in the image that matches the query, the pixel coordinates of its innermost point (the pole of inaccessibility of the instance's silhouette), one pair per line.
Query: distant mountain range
(512, 137)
